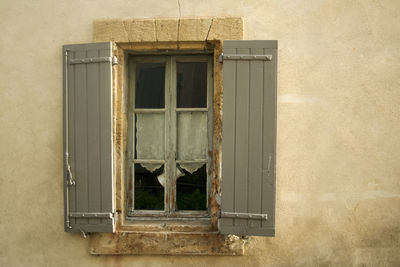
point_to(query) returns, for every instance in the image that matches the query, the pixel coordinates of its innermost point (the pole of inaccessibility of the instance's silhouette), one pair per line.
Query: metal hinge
(113, 60)
(92, 215)
(241, 215)
(223, 57)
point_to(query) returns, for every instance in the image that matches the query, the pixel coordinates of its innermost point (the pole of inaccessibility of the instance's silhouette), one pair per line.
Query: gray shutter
(88, 179)
(249, 138)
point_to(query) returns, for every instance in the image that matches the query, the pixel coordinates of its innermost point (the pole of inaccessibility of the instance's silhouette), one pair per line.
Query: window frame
(170, 58)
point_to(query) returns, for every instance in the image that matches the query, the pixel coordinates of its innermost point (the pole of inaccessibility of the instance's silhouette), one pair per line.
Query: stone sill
(165, 243)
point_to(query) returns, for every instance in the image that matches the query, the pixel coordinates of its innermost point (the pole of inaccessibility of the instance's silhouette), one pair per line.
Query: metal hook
(71, 180)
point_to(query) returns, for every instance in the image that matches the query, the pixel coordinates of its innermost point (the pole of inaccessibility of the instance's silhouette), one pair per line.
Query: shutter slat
(249, 132)
(269, 140)
(242, 137)
(93, 136)
(81, 123)
(255, 128)
(105, 74)
(89, 137)
(71, 130)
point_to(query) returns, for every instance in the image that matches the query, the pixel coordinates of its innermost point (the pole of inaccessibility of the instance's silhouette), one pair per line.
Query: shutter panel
(249, 138)
(88, 179)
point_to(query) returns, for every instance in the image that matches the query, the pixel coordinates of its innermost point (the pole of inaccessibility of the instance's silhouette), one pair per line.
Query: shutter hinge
(91, 60)
(92, 215)
(241, 215)
(223, 57)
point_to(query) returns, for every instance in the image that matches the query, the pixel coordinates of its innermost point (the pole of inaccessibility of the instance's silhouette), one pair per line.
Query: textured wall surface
(338, 167)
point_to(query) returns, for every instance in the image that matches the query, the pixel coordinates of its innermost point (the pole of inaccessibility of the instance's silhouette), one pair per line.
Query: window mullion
(172, 162)
(167, 166)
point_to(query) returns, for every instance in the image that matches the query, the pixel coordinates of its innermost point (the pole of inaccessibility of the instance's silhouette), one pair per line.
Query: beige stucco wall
(338, 182)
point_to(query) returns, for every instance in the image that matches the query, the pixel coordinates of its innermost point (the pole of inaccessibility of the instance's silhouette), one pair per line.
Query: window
(182, 154)
(169, 136)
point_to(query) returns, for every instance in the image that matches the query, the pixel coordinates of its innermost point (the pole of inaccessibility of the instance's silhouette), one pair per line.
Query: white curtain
(192, 141)
(150, 138)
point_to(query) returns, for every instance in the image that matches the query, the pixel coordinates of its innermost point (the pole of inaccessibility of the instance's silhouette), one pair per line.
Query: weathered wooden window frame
(171, 112)
(125, 223)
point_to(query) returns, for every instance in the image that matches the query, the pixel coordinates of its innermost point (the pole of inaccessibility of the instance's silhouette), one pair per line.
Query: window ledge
(133, 243)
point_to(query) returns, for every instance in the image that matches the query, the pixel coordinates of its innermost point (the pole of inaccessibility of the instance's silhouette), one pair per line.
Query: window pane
(150, 84)
(191, 84)
(191, 190)
(150, 137)
(149, 192)
(191, 135)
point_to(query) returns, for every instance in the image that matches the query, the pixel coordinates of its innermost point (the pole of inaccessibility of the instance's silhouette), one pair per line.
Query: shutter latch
(70, 180)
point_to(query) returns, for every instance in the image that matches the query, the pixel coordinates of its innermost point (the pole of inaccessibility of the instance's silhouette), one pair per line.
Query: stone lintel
(168, 30)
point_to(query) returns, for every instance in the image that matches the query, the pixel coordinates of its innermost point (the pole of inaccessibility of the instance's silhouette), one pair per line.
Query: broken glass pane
(150, 137)
(150, 82)
(191, 190)
(148, 192)
(192, 136)
(191, 84)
